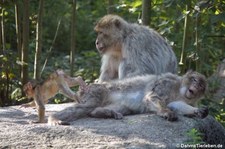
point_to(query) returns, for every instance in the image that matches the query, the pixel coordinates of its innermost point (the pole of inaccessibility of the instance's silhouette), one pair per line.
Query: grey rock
(133, 132)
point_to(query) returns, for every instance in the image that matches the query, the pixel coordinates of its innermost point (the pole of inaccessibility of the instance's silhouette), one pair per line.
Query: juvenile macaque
(42, 92)
(130, 50)
(167, 95)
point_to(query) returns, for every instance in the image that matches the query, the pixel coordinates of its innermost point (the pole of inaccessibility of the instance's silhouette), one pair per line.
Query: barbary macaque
(167, 95)
(130, 50)
(57, 82)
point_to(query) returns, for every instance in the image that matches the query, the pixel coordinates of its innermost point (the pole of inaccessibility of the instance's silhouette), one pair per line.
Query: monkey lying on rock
(42, 92)
(167, 95)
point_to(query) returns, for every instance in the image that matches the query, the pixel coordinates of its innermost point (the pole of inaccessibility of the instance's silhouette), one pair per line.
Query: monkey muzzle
(100, 46)
(191, 92)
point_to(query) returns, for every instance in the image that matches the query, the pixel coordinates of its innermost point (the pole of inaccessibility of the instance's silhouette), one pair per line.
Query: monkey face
(107, 42)
(110, 34)
(29, 90)
(194, 84)
(194, 90)
(100, 43)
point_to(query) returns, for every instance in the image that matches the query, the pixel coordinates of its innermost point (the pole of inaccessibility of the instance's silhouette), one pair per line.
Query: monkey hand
(84, 88)
(118, 116)
(202, 112)
(170, 116)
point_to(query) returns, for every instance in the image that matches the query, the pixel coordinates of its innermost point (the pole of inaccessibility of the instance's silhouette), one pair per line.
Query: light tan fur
(42, 92)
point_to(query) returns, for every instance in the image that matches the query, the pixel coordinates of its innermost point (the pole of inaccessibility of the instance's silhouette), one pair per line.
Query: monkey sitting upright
(42, 92)
(167, 95)
(130, 49)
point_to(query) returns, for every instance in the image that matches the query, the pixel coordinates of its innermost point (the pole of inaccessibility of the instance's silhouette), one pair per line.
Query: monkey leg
(66, 91)
(155, 104)
(41, 111)
(70, 114)
(64, 83)
(70, 81)
(182, 108)
(106, 112)
(76, 81)
(30, 104)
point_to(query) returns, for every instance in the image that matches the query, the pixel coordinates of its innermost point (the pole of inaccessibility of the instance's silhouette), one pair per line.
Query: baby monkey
(42, 92)
(167, 95)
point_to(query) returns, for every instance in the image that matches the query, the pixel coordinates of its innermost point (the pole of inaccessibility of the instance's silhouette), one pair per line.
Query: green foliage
(216, 109)
(203, 51)
(214, 101)
(195, 137)
(9, 84)
(88, 66)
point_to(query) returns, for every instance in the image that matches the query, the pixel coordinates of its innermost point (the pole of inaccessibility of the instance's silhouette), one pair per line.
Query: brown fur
(42, 92)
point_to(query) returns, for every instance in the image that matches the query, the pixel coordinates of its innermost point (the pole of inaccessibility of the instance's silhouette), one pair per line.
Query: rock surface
(137, 131)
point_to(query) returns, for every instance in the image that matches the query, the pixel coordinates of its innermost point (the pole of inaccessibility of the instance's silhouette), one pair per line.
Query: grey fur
(144, 51)
(141, 94)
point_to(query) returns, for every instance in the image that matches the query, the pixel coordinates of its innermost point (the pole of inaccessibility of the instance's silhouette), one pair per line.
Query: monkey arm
(155, 104)
(109, 68)
(126, 69)
(182, 108)
(166, 87)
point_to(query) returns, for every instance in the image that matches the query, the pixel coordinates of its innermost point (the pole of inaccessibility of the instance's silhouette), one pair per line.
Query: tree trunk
(110, 9)
(50, 49)
(37, 63)
(18, 27)
(3, 31)
(1, 48)
(24, 53)
(146, 12)
(73, 38)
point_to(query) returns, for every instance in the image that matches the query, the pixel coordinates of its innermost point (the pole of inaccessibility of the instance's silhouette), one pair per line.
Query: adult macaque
(167, 95)
(42, 92)
(130, 50)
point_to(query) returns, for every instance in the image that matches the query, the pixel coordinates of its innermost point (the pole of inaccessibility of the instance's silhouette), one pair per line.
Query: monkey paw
(170, 116)
(202, 112)
(37, 122)
(58, 122)
(118, 116)
(54, 121)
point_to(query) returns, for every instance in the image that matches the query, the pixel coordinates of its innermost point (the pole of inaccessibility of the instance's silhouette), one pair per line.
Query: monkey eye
(193, 79)
(202, 86)
(100, 32)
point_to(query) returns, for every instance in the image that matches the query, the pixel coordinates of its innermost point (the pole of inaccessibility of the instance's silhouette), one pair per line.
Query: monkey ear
(117, 23)
(189, 71)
